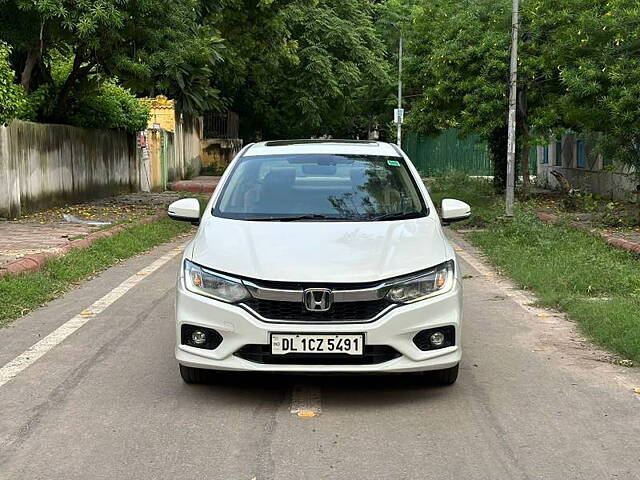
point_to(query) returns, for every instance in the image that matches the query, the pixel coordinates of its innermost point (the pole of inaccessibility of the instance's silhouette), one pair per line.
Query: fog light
(198, 337)
(437, 339)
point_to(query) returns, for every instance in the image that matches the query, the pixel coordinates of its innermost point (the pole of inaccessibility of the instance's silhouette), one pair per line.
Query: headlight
(435, 282)
(214, 285)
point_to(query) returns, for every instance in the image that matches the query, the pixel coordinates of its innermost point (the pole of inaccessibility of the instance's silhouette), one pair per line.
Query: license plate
(283, 343)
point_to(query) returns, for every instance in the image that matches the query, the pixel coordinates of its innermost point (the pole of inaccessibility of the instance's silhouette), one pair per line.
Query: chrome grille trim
(362, 295)
(264, 293)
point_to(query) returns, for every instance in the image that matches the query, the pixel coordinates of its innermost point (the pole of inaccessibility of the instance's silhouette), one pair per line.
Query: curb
(36, 261)
(193, 186)
(610, 239)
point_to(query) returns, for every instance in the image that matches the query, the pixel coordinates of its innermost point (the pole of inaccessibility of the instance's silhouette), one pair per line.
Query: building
(585, 170)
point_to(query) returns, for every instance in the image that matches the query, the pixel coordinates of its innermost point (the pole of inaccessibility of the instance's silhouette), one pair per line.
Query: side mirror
(185, 210)
(454, 210)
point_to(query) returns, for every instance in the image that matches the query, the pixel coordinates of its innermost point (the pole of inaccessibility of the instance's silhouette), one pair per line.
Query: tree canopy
(11, 95)
(578, 71)
(289, 67)
(300, 68)
(149, 47)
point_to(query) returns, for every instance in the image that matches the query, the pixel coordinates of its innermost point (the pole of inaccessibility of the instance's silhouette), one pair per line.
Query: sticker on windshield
(393, 163)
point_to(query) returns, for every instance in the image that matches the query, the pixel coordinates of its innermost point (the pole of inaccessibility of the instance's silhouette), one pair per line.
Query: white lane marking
(33, 353)
(305, 401)
(471, 260)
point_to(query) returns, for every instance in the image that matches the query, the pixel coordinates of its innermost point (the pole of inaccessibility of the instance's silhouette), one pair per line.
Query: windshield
(320, 187)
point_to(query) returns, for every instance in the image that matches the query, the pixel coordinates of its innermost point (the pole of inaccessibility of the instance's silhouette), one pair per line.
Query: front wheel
(448, 376)
(193, 375)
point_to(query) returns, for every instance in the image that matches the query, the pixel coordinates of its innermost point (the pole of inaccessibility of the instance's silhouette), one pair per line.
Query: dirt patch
(121, 208)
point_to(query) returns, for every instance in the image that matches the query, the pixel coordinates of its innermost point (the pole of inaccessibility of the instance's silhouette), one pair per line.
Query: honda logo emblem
(318, 299)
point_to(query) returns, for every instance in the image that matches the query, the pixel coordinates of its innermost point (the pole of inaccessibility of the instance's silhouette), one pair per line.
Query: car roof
(347, 147)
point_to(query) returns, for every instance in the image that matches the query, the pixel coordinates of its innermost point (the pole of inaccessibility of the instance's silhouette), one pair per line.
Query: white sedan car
(319, 256)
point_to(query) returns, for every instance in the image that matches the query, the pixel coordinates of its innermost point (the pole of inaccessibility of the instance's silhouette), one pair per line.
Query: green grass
(570, 270)
(20, 294)
(477, 192)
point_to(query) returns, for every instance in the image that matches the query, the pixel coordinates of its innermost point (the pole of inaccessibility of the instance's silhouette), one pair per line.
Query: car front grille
(339, 311)
(373, 355)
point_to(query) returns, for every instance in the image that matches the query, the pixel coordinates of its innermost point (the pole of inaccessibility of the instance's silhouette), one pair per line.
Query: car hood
(331, 252)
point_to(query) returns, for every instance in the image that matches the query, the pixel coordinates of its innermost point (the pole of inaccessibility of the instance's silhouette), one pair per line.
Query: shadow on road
(356, 390)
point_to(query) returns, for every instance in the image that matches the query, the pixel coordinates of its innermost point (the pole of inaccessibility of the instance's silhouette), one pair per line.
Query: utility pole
(513, 90)
(400, 114)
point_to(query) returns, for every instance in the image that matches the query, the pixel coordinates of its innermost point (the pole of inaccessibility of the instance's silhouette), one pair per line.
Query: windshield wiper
(295, 218)
(397, 216)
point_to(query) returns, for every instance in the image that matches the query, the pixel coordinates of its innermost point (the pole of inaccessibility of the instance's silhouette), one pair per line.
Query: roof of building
(351, 147)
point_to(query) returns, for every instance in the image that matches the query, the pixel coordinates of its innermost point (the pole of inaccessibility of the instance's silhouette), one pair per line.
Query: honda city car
(319, 256)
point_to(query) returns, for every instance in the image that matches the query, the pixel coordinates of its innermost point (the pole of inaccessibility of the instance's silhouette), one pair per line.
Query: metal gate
(447, 152)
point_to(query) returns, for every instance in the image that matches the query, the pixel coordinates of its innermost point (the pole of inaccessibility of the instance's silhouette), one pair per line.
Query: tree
(578, 71)
(592, 49)
(109, 105)
(299, 68)
(459, 59)
(151, 46)
(392, 18)
(166, 48)
(11, 95)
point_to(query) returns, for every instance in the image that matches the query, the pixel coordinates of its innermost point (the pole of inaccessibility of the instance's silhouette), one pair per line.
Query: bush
(97, 102)
(110, 106)
(37, 103)
(12, 96)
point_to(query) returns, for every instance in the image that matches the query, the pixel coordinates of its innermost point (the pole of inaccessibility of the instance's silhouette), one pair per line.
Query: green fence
(447, 152)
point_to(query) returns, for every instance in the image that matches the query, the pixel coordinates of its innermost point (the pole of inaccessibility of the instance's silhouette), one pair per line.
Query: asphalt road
(533, 401)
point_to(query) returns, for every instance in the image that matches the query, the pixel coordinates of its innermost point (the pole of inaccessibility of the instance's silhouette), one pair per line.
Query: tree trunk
(77, 71)
(33, 56)
(497, 143)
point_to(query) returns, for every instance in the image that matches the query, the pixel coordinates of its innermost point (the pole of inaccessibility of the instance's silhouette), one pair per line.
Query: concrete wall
(160, 165)
(155, 160)
(162, 112)
(188, 145)
(168, 156)
(43, 165)
(175, 171)
(615, 184)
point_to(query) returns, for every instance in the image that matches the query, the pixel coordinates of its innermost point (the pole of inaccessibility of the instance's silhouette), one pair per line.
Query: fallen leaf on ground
(623, 363)
(306, 414)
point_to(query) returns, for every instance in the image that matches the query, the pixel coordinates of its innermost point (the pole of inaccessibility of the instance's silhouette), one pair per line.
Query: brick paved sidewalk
(18, 240)
(47, 233)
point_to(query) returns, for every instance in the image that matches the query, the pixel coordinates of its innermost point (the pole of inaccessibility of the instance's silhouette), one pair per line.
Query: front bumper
(395, 329)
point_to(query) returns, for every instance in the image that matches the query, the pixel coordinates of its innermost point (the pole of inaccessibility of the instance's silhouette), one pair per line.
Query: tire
(448, 376)
(193, 375)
